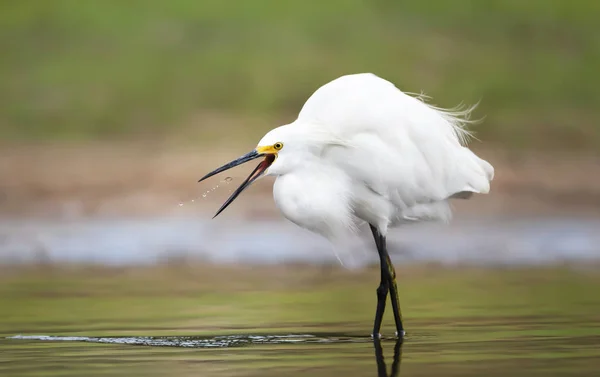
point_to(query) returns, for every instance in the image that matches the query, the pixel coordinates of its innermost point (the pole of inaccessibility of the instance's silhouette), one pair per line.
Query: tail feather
(476, 176)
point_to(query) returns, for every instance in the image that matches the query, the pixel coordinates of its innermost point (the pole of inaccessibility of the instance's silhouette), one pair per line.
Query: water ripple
(223, 341)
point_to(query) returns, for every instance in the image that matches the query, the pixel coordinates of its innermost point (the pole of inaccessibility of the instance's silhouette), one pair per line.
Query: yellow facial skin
(270, 149)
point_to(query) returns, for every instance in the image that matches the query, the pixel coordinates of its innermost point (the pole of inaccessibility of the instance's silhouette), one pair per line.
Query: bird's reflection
(381, 367)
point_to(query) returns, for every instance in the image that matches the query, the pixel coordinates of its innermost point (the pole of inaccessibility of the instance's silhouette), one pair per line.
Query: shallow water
(150, 240)
(526, 324)
(497, 347)
(466, 322)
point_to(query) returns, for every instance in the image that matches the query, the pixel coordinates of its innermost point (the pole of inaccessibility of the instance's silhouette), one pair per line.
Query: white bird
(361, 151)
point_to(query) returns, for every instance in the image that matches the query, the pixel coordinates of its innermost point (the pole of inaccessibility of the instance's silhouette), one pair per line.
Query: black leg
(394, 294)
(388, 283)
(382, 290)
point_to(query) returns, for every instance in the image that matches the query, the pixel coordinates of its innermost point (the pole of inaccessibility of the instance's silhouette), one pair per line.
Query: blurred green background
(85, 70)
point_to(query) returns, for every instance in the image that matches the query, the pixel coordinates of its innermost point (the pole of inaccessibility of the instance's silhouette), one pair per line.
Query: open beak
(256, 173)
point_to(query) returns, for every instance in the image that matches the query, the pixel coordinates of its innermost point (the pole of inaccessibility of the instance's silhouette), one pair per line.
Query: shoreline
(138, 179)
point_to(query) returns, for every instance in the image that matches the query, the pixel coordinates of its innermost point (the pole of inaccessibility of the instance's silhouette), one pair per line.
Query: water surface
(295, 320)
(119, 241)
(496, 347)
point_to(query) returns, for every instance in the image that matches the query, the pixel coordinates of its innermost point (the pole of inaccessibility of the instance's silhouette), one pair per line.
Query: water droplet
(181, 204)
(228, 179)
(193, 200)
(204, 195)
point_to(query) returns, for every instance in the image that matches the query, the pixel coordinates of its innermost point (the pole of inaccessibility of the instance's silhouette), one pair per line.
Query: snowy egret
(362, 151)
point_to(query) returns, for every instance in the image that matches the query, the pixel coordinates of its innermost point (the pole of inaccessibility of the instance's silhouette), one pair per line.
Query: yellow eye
(278, 146)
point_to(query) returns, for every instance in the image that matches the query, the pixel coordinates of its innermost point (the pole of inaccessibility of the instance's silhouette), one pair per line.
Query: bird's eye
(278, 146)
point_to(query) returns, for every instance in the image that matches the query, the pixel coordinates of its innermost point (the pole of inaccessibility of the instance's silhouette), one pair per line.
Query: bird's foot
(400, 335)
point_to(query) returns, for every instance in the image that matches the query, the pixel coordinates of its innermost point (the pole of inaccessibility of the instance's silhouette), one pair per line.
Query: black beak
(256, 173)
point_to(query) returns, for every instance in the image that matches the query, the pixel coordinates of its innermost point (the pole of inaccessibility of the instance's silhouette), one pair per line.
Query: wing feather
(402, 148)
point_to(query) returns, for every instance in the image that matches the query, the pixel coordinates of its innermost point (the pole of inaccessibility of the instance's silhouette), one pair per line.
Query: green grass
(95, 69)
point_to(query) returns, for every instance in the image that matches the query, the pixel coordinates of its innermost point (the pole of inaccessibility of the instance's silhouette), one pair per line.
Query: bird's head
(281, 149)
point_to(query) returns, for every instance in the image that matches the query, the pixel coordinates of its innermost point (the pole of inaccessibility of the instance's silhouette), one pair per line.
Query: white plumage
(360, 151)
